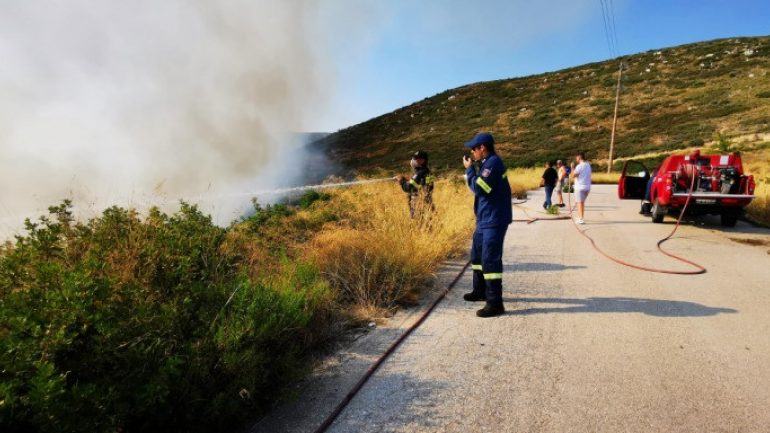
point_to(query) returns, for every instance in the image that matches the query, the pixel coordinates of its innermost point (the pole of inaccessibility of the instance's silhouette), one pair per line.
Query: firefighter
(419, 185)
(492, 206)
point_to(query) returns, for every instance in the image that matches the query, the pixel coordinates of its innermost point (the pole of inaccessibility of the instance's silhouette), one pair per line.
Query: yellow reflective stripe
(414, 183)
(430, 179)
(476, 267)
(480, 182)
(494, 276)
(505, 175)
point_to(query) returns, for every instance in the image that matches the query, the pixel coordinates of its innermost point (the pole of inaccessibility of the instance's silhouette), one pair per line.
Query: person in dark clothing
(420, 184)
(492, 206)
(646, 203)
(549, 178)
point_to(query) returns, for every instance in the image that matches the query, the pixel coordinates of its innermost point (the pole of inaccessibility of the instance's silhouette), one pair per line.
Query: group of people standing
(558, 179)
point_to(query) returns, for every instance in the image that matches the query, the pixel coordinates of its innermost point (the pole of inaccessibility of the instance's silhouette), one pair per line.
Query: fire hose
(329, 420)
(698, 268)
(332, 417)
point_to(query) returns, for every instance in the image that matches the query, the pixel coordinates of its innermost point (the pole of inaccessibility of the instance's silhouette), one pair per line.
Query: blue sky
(389, 54)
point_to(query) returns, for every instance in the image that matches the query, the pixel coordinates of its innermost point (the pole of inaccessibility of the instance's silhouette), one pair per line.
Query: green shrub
(267, 215)
(310, 197)
(722, 143)
(122, 324)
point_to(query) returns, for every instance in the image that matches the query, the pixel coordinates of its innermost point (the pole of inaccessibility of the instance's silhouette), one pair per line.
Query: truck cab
(704, 184)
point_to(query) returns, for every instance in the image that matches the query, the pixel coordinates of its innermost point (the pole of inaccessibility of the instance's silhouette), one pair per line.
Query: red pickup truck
(719, 186)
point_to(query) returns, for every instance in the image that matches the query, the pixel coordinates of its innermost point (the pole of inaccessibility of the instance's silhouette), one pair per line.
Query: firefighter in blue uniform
(492, 206)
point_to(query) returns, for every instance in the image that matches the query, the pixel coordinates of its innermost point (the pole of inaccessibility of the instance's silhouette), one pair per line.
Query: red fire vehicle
(718, 184)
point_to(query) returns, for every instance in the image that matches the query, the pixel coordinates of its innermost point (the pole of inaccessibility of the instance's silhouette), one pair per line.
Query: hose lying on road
(373, 368)
(698, 268)
(329, 420)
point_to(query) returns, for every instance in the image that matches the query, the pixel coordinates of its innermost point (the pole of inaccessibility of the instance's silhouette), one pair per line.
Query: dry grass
(523, 180)
(377, 257)
(604, 178)
(758, 164)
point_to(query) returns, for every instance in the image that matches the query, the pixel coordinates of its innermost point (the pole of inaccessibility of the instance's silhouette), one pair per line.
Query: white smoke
(134, 103)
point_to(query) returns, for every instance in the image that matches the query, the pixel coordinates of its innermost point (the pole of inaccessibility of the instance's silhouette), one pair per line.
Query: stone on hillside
(451, 98)
(748, 52)
(709, 55)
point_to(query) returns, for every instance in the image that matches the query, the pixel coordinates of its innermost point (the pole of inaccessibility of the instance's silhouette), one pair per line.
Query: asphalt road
(586, 345)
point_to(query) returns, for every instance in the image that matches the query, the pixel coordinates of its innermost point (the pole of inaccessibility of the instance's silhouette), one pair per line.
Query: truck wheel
(658, 212)
(729, 218)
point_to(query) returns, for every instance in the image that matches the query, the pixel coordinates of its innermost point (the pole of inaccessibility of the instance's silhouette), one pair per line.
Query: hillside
(672, 98)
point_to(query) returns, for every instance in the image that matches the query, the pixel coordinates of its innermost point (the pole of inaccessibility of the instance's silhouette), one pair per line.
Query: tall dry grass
(523, 180)
(605, 178)
(757, 163)
(376, 256)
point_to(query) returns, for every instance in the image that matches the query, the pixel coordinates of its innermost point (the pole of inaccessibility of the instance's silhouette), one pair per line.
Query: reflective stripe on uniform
(476, 267)
(494, 276)
(414, 183)
(505, 175)
(480, 182)
(430, 179)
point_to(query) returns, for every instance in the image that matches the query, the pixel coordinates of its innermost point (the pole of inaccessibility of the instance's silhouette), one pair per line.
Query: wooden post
(615, 119)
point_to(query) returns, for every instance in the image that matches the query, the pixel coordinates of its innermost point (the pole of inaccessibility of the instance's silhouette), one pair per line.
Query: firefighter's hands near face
(467, 161)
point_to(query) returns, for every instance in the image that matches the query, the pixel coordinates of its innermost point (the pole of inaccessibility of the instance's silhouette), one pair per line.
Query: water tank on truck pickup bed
(719, 186)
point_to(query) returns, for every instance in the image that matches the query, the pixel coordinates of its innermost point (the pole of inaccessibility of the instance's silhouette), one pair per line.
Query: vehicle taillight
(751, 185)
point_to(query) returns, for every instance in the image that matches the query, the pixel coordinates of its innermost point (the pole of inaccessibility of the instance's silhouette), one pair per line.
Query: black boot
(491, 310)
(478, 288)
(494, 306)
(474, 297)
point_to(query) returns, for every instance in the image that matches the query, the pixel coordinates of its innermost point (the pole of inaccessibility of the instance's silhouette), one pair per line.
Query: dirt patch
(751, 241)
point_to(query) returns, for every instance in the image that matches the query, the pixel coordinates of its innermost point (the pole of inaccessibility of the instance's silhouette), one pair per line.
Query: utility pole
(615, 118)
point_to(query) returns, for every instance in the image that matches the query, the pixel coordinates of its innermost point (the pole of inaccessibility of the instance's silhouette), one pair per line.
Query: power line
(605, 22)
(614, 28)
(610, 27)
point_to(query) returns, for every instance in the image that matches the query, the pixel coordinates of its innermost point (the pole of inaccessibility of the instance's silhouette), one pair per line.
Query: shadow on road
(650, 307)
(535, 267)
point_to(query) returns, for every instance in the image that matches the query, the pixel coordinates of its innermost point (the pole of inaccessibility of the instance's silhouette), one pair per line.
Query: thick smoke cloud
(141, 102)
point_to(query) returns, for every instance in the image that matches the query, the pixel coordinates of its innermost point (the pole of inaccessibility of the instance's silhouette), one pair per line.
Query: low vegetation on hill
(672, 98)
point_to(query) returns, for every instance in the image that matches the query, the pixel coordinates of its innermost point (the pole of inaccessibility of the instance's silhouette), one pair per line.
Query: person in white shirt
(581, 175)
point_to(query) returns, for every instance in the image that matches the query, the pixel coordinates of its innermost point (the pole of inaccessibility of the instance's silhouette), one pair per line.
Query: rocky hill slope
(671, 98)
